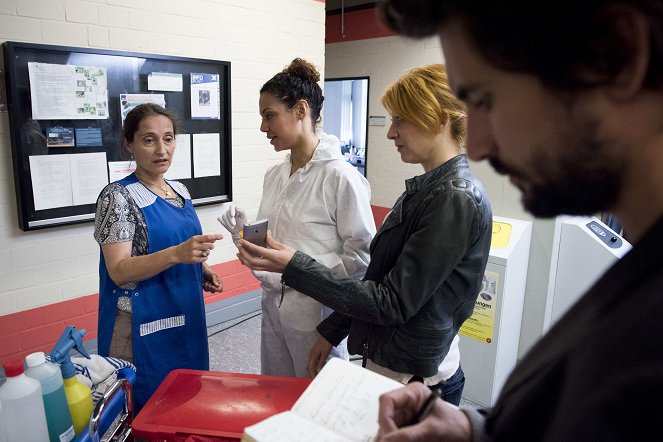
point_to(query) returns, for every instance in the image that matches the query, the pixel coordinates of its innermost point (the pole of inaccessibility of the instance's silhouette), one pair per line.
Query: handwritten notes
(341, 404)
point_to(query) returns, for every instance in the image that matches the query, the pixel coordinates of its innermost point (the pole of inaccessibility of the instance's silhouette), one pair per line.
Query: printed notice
(88, 176)
(88, 137)
(119, 169)
(162, 81)
(180, 166)
(129, 101)
(67, 180)
(206, 155)
(205, 96)
(481, 324)
(68, 92)
(51, 181)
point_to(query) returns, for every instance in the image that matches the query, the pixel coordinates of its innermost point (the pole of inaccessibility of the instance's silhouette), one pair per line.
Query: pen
(427, 406)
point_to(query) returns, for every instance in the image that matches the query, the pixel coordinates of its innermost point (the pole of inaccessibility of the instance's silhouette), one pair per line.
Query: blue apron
(168, 311)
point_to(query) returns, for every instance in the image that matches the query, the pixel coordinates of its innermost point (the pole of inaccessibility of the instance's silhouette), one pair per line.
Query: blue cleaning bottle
(79, 396)
(58, 417)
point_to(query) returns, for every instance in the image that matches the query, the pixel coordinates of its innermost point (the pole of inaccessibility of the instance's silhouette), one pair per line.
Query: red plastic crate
(213, 404)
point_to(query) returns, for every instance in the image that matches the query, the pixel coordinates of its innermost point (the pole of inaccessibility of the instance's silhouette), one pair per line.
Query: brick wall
(50, 276)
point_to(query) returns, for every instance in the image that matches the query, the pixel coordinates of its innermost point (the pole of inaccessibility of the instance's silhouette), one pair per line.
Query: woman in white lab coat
(315, 201)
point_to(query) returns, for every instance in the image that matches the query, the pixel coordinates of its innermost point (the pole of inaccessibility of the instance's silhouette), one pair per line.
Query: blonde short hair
(422, 96)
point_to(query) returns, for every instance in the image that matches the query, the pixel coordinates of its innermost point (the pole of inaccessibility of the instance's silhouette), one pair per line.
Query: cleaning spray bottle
(58, 417)
(79, 396)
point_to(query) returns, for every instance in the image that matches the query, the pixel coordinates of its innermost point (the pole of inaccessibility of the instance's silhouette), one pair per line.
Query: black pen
(427, 406)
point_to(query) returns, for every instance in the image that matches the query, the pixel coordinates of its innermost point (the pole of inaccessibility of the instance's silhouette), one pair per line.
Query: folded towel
(98, 372)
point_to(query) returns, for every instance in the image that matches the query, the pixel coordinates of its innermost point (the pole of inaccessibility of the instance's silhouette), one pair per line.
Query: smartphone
(256, 232)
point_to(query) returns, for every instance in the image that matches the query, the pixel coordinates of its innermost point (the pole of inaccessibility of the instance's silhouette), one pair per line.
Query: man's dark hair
(569, 45)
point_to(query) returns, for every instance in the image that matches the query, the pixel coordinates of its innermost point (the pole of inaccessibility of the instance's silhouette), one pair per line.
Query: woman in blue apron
(152, 268)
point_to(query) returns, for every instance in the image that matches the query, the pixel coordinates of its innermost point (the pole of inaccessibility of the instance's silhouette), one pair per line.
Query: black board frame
(127, 72)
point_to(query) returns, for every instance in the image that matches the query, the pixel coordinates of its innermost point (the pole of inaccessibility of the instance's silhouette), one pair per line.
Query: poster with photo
(205, 96)
(129, 101)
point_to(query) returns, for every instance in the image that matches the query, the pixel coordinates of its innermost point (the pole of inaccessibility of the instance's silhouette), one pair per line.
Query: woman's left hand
(272, 259)
(211, 281)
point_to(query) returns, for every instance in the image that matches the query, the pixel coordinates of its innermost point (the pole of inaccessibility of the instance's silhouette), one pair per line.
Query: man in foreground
(566, 98)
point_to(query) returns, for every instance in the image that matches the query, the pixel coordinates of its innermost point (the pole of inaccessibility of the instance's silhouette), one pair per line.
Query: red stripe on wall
(379, 214)
(38, 329)
(357, 25)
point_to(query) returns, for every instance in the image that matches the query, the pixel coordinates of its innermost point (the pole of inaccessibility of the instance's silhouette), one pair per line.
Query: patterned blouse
(119, 219)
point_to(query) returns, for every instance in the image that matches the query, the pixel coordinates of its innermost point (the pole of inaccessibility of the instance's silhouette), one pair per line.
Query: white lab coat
(323, 210)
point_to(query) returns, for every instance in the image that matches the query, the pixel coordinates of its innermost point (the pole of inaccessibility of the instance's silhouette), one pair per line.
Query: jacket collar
(413, 185)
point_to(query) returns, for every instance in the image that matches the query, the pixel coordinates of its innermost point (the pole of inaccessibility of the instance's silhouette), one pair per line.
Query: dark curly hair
(298, 81)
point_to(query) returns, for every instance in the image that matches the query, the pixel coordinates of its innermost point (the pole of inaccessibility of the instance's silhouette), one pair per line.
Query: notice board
(66, 109)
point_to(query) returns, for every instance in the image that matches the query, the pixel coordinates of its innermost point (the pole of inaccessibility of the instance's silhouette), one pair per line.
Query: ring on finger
(205, 253)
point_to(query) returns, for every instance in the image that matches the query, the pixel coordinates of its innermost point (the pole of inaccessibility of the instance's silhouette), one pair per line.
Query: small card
(60, 137)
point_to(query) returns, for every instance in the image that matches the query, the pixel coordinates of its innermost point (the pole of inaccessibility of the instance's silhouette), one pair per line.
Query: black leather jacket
(427, 262)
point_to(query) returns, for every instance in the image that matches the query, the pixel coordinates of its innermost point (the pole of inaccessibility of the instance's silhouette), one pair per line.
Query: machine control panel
(607, 236)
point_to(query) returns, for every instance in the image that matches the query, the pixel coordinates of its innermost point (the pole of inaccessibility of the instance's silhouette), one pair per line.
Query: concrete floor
(234, 346)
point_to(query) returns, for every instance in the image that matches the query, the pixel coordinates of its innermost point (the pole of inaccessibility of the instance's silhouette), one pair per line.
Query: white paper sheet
(119, 169)
(180, 167)
(68, 92)
(88, 176)
(163, 81)
(51, 181)
(205, 96)
(206, 155)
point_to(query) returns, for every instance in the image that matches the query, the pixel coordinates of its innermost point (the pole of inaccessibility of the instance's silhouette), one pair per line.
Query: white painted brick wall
(64, 34)
(116, 16)
(45, 9)
(98, 37)
(20, 28)
(8, 7)
(82, 12)
(258, 37)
